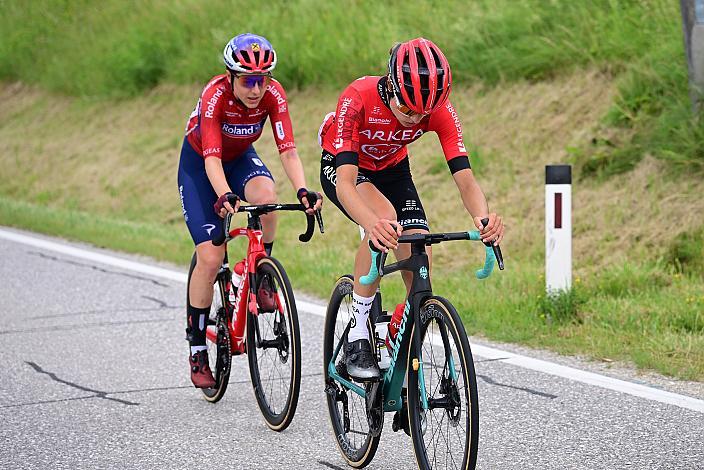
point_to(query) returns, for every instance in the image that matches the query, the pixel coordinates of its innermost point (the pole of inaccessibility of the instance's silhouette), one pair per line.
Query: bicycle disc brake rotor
(375, 412)
(453, 409)
(224, 355)
(281, 335)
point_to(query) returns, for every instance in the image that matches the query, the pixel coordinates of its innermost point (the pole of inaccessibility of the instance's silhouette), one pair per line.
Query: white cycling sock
(360, 313)
(195, 349)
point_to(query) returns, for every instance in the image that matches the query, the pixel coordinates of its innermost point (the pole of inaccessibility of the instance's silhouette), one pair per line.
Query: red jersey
(363, 123)
(222, 127)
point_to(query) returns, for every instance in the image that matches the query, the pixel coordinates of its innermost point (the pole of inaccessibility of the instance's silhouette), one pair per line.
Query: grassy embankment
(103, 170)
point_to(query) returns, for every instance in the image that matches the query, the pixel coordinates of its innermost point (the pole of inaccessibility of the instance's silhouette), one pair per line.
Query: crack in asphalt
(98, 268)
(329, 465)
(83, 326)
(105, 311)
(491, 381)
(101, 394)
(98, 393)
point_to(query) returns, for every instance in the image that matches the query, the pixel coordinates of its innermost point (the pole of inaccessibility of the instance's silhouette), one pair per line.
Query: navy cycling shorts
(198, 195)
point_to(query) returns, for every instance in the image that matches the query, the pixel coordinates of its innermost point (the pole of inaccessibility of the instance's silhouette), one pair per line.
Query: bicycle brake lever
(220, 238)
(319, 218)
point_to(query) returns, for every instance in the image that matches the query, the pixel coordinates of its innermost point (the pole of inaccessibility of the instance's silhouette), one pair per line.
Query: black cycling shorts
(395, 183)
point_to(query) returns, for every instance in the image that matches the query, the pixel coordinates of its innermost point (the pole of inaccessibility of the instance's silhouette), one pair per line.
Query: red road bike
(257, 317)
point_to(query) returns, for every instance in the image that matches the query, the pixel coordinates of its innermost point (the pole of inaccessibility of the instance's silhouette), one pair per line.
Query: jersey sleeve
(446, 123)
(348, 118)
(280, 119)
(210, 121)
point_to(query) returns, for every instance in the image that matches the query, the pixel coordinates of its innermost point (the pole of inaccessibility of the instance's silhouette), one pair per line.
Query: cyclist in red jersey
(218, 160)
(365, 171)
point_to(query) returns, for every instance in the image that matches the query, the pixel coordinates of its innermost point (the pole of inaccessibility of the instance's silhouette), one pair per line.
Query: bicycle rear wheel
(219, 356)
(274, 346)
(446, 434)
(346, 408)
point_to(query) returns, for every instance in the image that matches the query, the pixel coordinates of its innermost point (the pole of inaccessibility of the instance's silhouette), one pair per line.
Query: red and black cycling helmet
(420, 75)
(249, 53)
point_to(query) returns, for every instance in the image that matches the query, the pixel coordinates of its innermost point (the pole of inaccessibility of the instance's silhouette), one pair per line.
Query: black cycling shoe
(360, 361)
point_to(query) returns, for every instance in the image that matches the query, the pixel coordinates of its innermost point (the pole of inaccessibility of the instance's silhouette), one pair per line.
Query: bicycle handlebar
(493, 253)
(258, 210)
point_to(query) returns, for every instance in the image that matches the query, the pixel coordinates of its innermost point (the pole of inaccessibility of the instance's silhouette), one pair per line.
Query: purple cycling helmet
(249, 53)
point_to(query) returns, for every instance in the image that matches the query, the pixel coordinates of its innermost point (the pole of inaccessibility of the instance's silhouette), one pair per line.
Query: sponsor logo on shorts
(410, 205)
(413, 221)
(257, 162)
(330, 174)
(208, 228)
(183, 207)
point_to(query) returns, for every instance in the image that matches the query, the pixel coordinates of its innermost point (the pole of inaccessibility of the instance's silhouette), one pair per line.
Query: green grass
(126, 47)
(647, 314)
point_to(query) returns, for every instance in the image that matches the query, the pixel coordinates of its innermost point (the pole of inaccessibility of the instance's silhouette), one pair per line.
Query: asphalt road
(93, 374)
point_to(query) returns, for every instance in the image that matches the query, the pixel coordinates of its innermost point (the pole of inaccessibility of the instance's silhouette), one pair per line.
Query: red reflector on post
(558, 210)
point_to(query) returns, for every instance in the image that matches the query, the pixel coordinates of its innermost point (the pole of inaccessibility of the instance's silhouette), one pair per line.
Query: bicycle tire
(219, 355)
(453, 412)
(357, 452)
(276, 343)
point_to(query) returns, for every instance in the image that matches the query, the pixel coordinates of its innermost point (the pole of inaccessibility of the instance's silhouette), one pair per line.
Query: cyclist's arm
(447, 124)
(293, 168)
(381, 231)
(350, 198)
(216, 176)
(475, 202)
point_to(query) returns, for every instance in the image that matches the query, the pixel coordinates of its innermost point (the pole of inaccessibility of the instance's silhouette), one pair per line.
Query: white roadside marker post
(558, 228)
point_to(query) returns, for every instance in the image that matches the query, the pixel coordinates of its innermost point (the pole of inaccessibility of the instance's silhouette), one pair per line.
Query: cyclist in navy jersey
(218, 161)
(365, 171)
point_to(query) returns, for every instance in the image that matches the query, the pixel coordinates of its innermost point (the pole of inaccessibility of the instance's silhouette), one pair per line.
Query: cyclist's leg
(397, 185)
(197, 199)
(374, 198)
(359, 358)
(252, 181)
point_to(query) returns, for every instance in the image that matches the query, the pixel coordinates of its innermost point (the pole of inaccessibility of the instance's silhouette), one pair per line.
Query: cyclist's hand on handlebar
(304, 197)
(228, 202)
(494, 230)
(384, 234)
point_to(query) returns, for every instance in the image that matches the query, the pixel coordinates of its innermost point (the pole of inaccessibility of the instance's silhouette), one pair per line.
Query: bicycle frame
(246, 298)
(394, 376)
(404, 346)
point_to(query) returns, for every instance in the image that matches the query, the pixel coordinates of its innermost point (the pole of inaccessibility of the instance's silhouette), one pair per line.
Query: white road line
(526, 362)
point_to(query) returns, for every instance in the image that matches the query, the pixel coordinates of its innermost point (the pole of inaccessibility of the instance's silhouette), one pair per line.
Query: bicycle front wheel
(347, 409)
(274, 345)
(445, 425)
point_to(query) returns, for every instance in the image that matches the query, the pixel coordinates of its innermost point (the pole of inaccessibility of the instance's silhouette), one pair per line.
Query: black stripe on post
(558, 174)
(558, 210)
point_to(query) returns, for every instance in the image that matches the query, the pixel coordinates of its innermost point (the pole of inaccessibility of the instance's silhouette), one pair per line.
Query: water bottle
(380, 330)
(237, 280)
